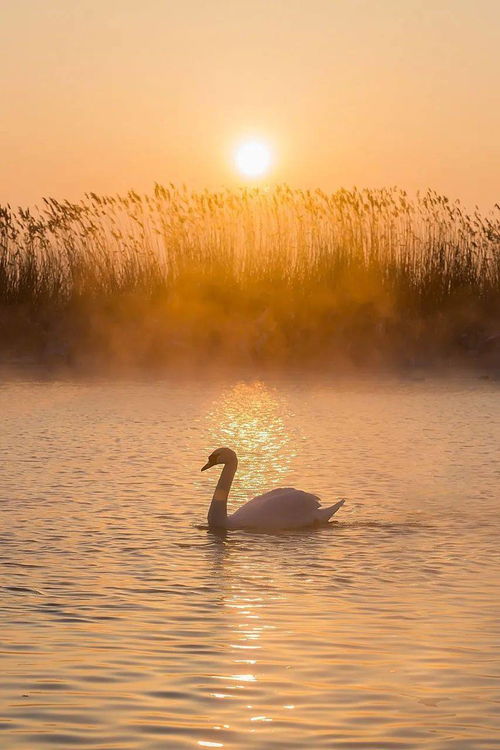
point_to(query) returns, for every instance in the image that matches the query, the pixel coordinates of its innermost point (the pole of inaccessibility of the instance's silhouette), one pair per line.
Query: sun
(253, 158)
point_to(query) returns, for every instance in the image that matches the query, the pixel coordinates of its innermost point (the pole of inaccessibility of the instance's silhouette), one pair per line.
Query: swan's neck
(217, 514)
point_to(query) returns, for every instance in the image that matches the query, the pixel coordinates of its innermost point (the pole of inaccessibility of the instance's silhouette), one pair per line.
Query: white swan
(284, 508)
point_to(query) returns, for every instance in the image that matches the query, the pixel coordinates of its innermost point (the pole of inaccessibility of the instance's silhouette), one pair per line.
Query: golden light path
(254, 420)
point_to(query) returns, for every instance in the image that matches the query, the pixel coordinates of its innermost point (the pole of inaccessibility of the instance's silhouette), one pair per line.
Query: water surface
(125, 623)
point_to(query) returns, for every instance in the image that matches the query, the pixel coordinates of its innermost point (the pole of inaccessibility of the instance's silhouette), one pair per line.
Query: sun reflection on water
(253, 419)
(247, 588)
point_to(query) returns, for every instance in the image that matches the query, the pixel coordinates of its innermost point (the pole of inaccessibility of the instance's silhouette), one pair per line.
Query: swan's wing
(282, 508)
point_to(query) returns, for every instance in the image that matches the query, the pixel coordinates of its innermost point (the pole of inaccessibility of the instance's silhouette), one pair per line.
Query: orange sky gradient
(107, 95)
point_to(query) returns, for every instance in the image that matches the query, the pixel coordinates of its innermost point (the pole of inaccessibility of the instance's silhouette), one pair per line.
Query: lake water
(125, 623)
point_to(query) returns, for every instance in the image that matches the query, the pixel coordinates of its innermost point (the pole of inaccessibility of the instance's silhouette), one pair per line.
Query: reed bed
(253, 275)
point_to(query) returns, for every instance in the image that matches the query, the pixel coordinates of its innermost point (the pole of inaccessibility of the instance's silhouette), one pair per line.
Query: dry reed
(255, 275)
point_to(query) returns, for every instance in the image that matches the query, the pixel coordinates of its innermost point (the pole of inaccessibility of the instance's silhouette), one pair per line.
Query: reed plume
(268, 275)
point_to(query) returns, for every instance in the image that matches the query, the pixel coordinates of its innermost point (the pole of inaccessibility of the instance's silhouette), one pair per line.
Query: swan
(283, 508)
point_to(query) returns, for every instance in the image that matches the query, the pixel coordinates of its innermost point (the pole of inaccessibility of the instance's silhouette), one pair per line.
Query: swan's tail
(324, 514)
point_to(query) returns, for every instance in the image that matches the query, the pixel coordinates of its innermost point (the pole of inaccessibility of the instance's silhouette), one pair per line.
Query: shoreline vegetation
(274, 277)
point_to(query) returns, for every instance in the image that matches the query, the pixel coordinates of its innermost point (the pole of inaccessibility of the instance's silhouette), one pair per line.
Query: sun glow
(253, 158)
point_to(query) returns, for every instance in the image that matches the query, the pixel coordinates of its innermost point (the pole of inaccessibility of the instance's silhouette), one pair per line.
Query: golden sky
(105, 95)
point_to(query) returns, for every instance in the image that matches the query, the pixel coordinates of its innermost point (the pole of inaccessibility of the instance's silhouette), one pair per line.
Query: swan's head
(220, 456)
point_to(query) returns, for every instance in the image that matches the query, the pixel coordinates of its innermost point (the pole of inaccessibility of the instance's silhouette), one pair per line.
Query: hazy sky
(105, 95)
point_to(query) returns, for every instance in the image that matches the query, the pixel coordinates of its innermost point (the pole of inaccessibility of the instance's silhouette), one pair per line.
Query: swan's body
(283, 508)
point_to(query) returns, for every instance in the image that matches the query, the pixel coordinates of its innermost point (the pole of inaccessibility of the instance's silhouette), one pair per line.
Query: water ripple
(126, 623)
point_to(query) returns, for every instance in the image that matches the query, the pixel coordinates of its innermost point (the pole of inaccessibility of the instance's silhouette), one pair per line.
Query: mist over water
(125, 623)
(358, 279)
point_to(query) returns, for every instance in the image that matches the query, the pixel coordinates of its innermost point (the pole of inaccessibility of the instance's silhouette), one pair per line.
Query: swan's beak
(207, 466)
